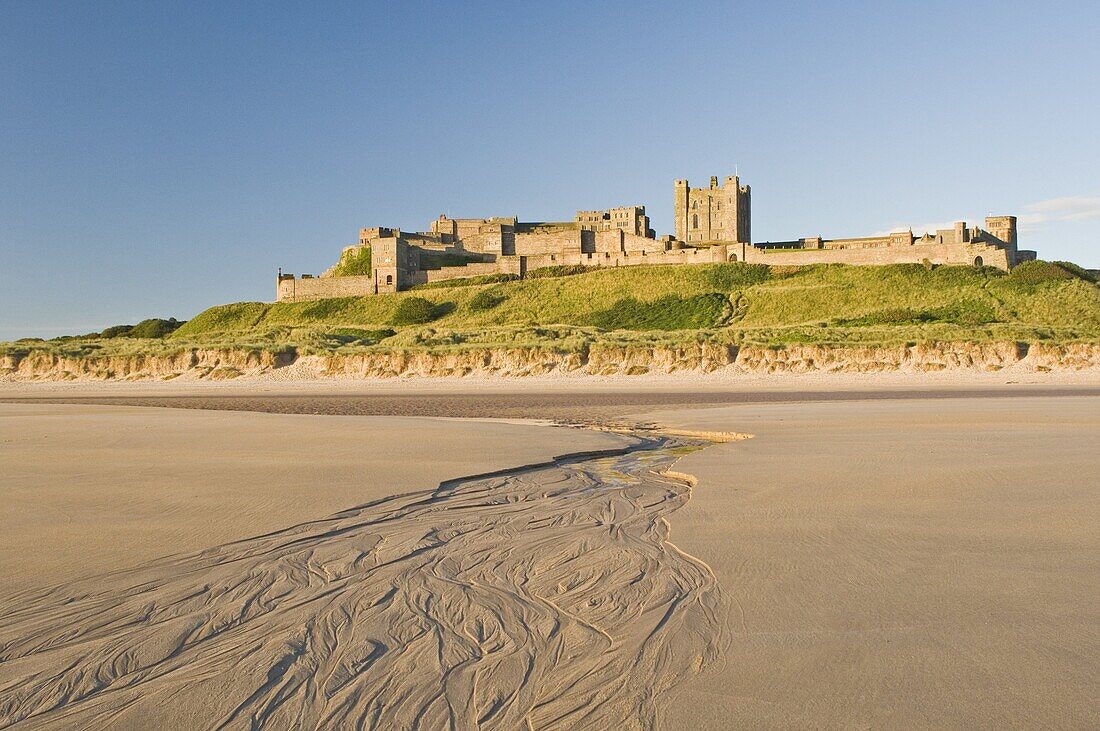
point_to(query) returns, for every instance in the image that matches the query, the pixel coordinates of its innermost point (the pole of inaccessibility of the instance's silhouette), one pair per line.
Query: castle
(712, 225)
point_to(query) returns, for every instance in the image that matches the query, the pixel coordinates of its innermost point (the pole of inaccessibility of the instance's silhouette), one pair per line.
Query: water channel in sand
(543, 597)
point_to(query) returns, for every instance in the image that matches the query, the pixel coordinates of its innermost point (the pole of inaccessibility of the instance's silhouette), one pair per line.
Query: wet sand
(917, 561)
(543, 598)
(600, 403)
(89, 489)
(899, 564)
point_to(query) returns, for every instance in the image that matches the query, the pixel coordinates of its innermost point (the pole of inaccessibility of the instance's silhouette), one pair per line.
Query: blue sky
(159, 158)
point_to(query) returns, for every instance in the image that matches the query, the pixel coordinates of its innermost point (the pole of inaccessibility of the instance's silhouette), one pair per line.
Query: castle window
(389, 279)
(695, 221)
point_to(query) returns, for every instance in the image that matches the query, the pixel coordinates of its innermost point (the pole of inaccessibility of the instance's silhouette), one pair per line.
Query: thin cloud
(1068, 208)
(1031, 216)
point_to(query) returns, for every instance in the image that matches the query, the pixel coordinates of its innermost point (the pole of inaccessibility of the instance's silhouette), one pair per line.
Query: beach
(906, 555)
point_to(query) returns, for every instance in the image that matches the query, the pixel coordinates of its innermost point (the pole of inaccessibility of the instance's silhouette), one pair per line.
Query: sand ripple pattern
(543, 598)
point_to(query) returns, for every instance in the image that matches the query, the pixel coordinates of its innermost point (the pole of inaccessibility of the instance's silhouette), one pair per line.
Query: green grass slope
(571, 308)
(830, 304)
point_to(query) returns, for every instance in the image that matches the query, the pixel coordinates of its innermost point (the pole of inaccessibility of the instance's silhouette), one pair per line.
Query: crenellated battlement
(713, 224)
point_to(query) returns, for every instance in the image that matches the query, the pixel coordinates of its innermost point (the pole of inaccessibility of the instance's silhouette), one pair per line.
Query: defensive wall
(712, 225)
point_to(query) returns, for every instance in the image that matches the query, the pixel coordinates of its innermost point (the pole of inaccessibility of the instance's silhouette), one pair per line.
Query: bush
(354, 262)
(415, 311)
(154, 328)
(727, 277)
(1076, 270)
(1038, 271)
(485, 300)
(670, 312)
(117, 331)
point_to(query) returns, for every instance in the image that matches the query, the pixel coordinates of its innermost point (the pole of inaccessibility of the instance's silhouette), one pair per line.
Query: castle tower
(1004, 228)
(713, 214)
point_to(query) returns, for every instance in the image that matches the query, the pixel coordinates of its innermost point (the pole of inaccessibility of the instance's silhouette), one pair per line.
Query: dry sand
(906, 563)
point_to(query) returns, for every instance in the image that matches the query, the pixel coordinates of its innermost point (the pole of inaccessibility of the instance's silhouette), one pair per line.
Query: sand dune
(545, 598)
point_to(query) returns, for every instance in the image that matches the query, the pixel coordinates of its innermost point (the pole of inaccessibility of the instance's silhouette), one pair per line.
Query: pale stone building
(714, 213)
(712, 225)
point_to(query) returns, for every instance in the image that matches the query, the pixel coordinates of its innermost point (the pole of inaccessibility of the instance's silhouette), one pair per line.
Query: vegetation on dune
(417, 311)
(355, 336)
(670, 312)
(830, 301)
(485, 300)
(115, 331)
(727, 277)
(154, 328)
(354, 262)
(1038, 271)
(722, 303)
(968, 313)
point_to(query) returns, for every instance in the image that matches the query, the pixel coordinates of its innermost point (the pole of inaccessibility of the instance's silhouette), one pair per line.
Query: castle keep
(712, 225)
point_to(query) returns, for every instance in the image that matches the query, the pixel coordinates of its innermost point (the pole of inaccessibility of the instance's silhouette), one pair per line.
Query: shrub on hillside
(415, 311)
(116, 331)
(485, 300)
(1076, 270)
(671, 312)
(727, 277)
(154, 328)
(1039, 271)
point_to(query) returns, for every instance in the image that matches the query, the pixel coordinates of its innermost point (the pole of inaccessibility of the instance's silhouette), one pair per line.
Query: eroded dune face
(546, 598)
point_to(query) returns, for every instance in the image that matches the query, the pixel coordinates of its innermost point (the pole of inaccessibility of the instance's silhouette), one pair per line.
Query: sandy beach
(918, 556)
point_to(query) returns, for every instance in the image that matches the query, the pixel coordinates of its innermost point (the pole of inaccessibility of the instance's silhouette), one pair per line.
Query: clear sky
(159, 158)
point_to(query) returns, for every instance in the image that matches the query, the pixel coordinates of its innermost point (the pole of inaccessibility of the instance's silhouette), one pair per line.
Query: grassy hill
(734, 303)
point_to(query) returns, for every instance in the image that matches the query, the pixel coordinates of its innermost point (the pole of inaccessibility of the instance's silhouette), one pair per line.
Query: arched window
(733, 257)
(389, 279)
(695, 221)
(978, 261)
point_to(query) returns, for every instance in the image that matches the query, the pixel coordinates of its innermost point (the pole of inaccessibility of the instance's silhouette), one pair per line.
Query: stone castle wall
(965, 254)
(291, 289)
(712, 225)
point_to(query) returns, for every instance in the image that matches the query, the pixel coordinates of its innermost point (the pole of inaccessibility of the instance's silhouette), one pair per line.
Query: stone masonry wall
(301, 290)
(914, 254)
